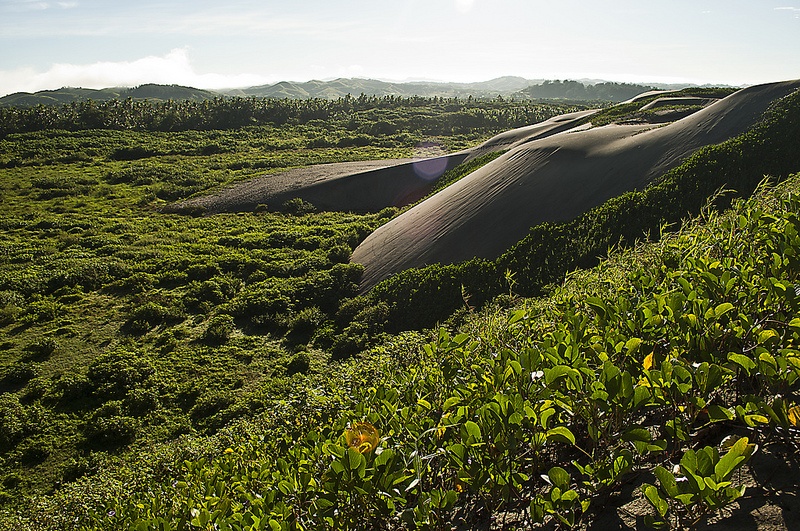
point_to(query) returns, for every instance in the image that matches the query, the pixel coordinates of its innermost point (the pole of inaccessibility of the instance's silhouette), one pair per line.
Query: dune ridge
(551, 177)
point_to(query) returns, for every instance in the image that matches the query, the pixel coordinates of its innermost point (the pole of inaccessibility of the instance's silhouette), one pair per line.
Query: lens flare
(431, 160)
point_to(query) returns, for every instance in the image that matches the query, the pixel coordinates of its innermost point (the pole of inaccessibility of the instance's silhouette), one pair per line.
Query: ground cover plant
(122, 327)
(675, 360)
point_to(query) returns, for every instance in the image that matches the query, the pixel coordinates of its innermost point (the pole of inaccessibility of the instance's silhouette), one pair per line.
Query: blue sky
(218, 44)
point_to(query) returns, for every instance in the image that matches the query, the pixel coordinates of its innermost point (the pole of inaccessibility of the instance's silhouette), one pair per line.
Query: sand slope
(552, 177)
(367, 186)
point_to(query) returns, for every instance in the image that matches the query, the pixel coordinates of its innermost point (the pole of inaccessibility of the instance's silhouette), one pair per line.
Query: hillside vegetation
(674, 361)
(176, 372)
(123, 327)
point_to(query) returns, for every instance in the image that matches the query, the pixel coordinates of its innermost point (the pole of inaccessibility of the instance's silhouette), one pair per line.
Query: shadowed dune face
(553, 177)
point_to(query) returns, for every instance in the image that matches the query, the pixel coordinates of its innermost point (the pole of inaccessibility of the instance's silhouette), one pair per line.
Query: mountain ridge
(504, 86)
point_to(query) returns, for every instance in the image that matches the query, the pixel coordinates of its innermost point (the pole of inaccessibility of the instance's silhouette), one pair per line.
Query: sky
(217, 44)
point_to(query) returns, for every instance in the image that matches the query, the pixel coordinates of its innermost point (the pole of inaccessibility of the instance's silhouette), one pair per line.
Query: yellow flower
(794, 415)
(362, 437)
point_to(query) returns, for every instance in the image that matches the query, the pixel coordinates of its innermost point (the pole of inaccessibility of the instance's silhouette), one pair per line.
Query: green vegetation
(345, 122)
(162, 371)
(630, 112)
(528, 414)
(122, 327)
(577, 91)
(71, 94)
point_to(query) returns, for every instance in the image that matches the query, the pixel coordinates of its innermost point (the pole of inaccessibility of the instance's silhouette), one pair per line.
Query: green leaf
(473, 430)
(637, 434)
(517, 316)
(722, 309)
(718, 413)
(742, 361)
(667, 481)
(598, 305)
(450, 402)
(459, 452)
(559, 477)
(766, 335)
(384, 457)
(658, 503)
(739, 453)
(561, 434)
(633, 345)
(354, 459)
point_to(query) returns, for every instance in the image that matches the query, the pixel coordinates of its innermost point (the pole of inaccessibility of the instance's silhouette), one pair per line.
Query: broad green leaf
(667, 481)
(739, 453)
(450, 402)
(742, 361)
(718, 413)
(561, 434)
(354, 458)
(658, 503)
(384, 457)
(559, 477)
(766, 335)
(473, 430)
(517, 316)
(722, 309)
(598, 305)
(637, 434)
(633, 345)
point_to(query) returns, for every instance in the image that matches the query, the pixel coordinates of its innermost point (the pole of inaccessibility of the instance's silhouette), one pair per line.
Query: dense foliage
(531, 415)
(122, 327)
(366, 116)
(178, 372)
(577, 91)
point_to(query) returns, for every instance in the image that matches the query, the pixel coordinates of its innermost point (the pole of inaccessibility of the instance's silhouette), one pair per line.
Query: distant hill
(575, 90)
(63, 95)
(341, 87)
(508, 86)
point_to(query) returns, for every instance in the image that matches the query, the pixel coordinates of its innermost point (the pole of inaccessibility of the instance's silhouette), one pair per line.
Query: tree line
(237, 112)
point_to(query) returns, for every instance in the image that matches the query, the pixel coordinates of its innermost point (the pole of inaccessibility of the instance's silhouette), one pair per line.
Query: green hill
(70, 94)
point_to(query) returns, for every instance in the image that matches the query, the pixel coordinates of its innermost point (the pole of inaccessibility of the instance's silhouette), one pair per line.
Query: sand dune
(552, 177)
(364, 186)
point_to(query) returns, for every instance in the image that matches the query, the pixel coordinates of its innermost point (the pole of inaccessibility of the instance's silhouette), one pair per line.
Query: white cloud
(795, 10)
(174, 67)
(19, 6)
(464, 6)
